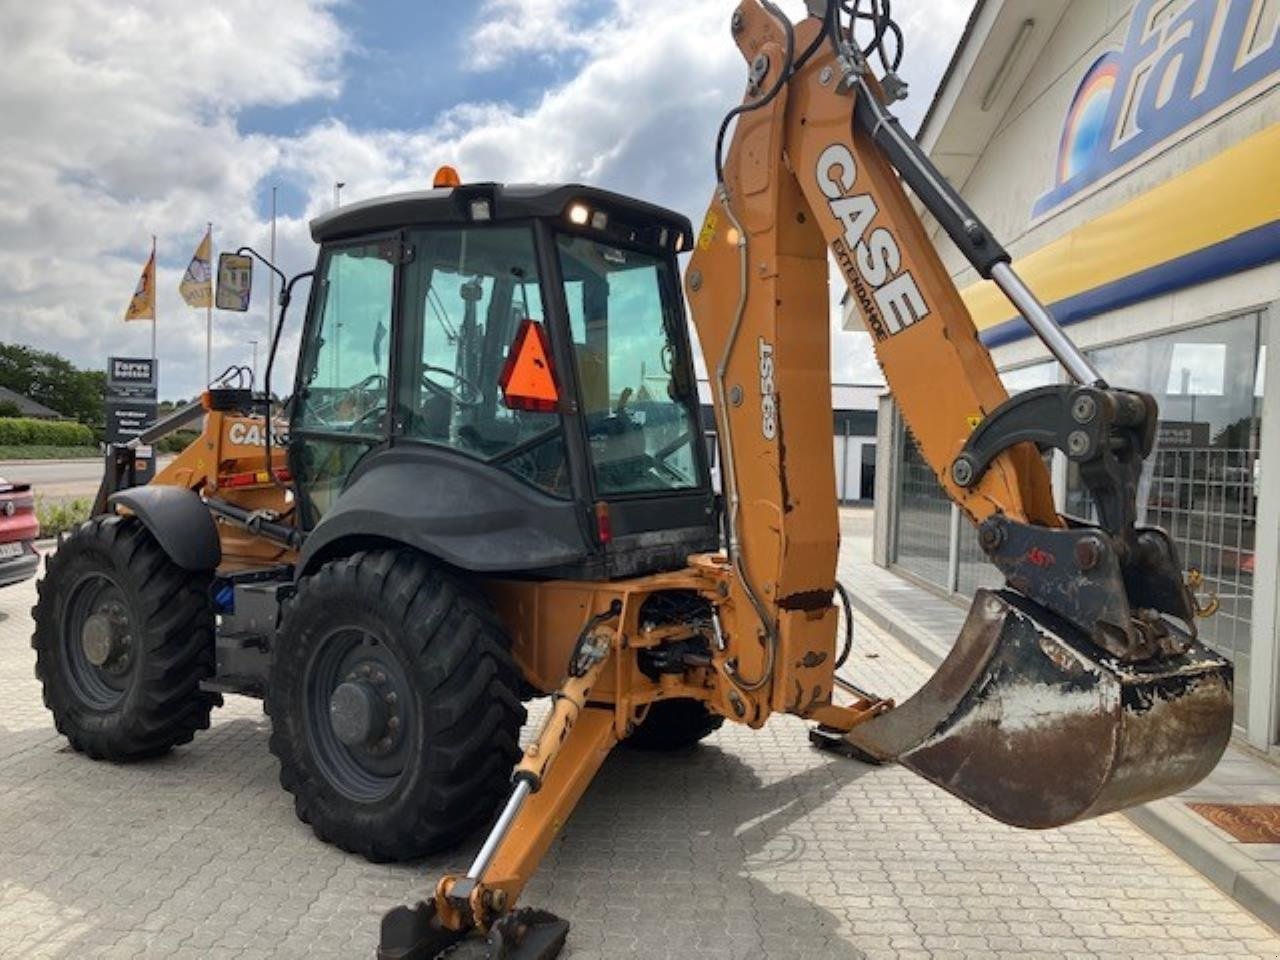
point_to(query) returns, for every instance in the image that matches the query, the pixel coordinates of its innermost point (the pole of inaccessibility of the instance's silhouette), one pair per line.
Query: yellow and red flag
(143, 304)
(197, 283)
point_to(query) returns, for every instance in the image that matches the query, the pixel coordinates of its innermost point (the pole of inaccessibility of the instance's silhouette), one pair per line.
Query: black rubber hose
(848, 625)
(784, 74)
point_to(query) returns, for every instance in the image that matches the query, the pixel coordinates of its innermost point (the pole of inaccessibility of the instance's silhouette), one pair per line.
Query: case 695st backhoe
(494, 487)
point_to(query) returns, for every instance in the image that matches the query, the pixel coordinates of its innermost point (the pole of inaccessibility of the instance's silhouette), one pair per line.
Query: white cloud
(511, 29)
(122, 121)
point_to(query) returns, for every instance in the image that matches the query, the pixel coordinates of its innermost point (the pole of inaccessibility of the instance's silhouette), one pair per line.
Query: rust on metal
(1033, 725)
(1246, 822)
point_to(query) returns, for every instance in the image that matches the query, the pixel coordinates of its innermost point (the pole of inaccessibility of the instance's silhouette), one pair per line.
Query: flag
(143, 304)
(196, 286)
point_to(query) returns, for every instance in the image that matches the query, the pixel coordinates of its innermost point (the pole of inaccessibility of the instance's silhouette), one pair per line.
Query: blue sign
(1179, 64)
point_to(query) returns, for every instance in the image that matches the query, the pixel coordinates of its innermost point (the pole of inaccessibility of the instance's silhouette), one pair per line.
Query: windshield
(634, 386)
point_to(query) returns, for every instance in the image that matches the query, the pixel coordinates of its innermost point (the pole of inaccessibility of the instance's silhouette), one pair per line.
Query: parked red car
(18, 528)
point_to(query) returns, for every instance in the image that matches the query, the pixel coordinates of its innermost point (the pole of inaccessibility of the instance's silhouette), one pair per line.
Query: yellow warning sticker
(708, 232)
(974, 419)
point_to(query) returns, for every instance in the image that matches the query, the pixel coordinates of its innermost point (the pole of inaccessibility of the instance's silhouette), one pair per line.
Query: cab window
(635, 397)
(467, 293)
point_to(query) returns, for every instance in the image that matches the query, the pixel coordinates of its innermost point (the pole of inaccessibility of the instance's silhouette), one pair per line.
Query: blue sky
(183, 114)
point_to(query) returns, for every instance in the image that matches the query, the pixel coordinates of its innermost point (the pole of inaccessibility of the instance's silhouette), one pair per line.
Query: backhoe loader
(489, 484)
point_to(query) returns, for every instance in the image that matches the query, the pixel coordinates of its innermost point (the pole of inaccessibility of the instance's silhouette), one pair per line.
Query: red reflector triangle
(528, 380)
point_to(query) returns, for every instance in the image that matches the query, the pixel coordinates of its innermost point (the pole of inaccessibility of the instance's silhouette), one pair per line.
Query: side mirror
(235, 281)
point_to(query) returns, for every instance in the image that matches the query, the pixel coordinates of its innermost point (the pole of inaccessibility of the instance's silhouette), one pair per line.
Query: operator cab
(504, 358)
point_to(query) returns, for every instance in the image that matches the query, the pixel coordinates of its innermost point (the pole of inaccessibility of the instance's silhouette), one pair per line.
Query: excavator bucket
(1032, 724)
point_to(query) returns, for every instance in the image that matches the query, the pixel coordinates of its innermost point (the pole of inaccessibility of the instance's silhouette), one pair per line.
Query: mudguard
(179, 521)
(1032, 724)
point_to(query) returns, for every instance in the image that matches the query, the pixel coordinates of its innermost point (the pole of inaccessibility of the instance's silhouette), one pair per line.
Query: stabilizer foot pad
(413, 933)
(833, 741)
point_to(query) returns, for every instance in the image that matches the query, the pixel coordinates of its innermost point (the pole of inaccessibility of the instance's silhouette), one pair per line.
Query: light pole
(337, 191)
(255, 360)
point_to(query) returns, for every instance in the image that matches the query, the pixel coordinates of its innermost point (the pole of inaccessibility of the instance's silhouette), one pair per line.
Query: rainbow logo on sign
(1181, 65)
(1086, 120)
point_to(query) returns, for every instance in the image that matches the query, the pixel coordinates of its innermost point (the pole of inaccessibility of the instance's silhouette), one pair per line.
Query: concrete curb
(1244, 881)
(1167, 821)
(929, 650)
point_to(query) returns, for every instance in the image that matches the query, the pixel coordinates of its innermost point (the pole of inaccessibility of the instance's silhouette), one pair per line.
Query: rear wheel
(673, 725)
(394, 706)
(123, 638)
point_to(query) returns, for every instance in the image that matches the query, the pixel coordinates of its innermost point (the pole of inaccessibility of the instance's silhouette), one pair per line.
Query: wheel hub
(358, 713)
(104, 639)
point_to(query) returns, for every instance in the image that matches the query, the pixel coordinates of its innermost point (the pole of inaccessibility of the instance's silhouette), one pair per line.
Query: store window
(923, 519)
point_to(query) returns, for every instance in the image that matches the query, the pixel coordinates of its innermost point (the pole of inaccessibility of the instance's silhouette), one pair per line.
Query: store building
(853, 424)
(1127, 152)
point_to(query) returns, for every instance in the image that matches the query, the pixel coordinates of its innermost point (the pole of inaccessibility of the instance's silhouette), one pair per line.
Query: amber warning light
(528, 380)
(446, 176)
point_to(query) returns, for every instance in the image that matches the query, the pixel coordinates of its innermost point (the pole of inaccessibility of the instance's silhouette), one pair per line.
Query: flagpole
(271, 277)
(153, 314)
(208, 318)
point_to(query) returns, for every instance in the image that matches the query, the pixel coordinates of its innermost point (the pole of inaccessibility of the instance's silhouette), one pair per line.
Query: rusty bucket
(1033, 725)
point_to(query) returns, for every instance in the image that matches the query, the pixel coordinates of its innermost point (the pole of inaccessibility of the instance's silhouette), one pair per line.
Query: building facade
(1127, 152)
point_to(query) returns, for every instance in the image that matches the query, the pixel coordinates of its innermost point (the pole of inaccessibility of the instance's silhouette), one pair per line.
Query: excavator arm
(1078, 689)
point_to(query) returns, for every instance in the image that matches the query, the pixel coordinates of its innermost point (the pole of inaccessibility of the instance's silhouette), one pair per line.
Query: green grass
(39, 451)
(58, 515)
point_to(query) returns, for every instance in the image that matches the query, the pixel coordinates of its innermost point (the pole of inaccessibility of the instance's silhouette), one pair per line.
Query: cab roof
(506, 202)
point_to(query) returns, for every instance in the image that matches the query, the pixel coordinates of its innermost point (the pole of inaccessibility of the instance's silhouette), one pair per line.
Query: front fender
(179, 521)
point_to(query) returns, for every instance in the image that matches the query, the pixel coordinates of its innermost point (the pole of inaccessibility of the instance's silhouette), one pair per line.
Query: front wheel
(123, 637)
(394, 705)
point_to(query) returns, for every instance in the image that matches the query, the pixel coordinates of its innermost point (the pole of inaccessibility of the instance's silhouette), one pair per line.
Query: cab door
(344, 369)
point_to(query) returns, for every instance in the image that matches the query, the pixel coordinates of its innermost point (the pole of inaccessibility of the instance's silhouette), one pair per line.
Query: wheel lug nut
(391, 698)
(379, 677)
(393, 723)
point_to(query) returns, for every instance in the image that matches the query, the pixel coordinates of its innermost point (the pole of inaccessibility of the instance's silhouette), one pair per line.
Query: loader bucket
(1034, 725)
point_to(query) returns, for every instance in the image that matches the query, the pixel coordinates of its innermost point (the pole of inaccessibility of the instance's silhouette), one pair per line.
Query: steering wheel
(357, 395)
(464, 393)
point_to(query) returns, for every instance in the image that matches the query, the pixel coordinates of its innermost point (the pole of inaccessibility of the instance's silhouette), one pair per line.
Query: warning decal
(528, 380)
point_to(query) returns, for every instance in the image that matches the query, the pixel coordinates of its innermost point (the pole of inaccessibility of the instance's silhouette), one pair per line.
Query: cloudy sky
(128, 119)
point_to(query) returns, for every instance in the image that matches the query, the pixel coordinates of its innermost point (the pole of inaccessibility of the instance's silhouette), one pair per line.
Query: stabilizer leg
(473, 915)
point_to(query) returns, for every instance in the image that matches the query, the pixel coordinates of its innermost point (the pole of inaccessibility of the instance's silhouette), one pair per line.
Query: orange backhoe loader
(489, 484)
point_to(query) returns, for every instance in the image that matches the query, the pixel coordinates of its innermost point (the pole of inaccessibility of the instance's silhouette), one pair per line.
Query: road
(58, 478)
(751, 846)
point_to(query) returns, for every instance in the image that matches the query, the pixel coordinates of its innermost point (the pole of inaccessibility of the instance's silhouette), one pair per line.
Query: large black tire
(146, 697)
(416, 645)
(674, 725)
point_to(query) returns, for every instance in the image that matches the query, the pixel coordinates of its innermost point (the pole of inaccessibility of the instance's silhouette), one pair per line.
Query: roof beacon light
(579, 214)
(446, 177)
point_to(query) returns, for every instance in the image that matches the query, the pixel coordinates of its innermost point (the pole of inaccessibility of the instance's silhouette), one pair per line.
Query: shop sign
(1181, 65)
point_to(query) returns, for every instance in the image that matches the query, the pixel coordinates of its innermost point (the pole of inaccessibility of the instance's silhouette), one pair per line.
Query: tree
(54, 381)
(9, 409)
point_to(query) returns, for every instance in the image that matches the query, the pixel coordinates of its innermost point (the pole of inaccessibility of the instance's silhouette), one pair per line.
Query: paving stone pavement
(751, 846)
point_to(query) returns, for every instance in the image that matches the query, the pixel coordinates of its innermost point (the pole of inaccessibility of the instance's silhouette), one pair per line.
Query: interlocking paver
(752, 846)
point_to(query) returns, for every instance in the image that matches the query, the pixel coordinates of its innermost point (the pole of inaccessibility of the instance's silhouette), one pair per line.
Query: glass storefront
(1200, 484)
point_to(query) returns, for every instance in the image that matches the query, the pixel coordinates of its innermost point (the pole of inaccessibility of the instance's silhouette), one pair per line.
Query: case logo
(870, 260)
